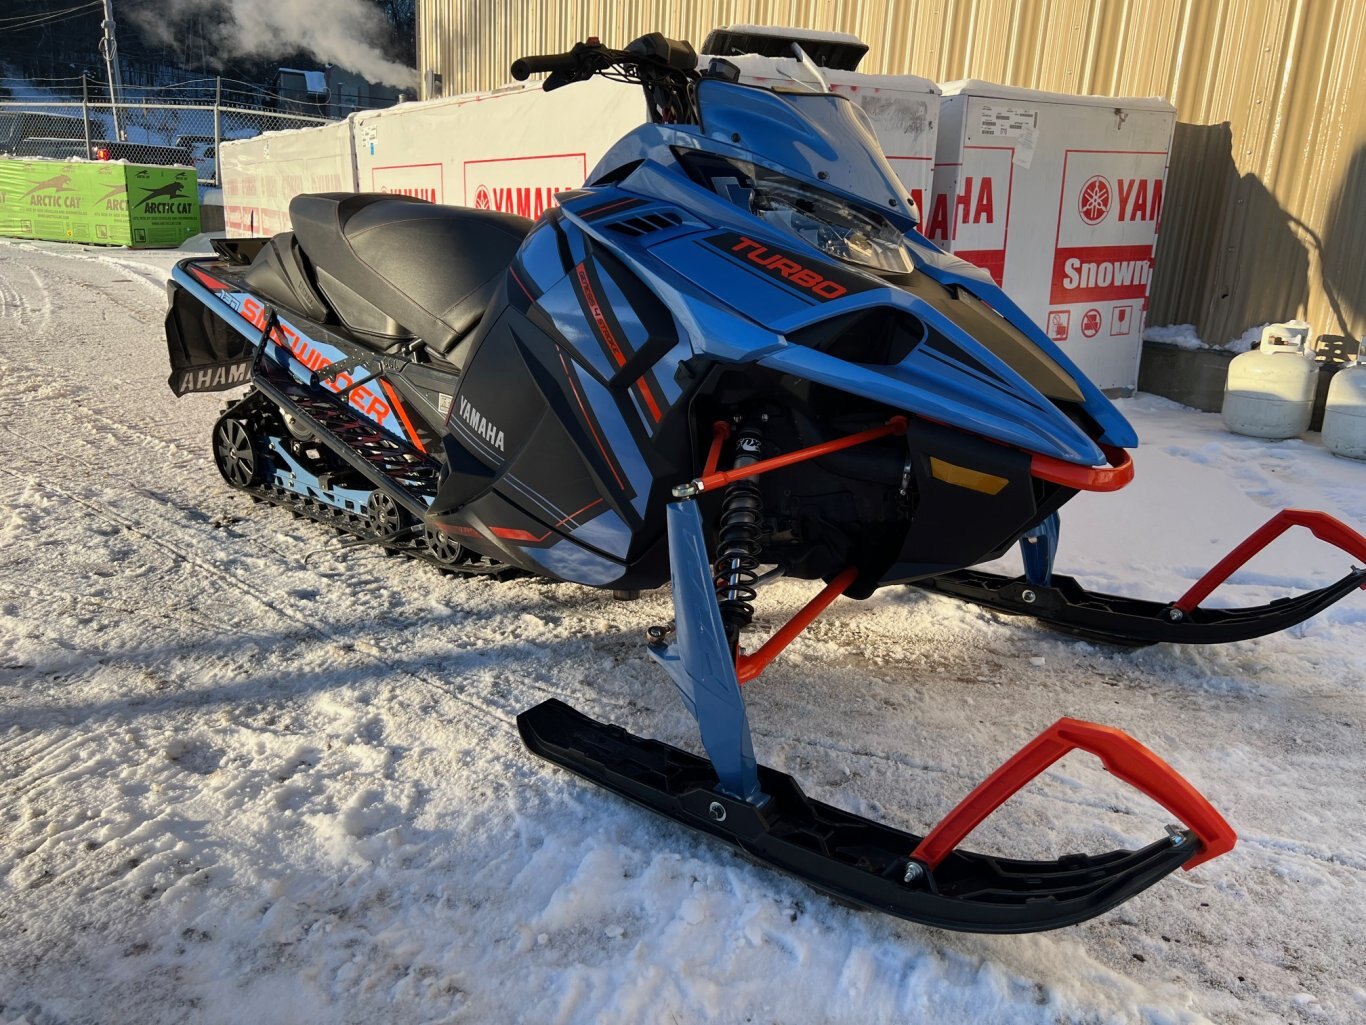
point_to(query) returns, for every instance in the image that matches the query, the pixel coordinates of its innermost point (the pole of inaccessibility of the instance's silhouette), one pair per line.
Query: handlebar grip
(526, 66)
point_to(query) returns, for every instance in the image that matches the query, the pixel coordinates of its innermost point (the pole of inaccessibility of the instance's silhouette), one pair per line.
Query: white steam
(343, 32)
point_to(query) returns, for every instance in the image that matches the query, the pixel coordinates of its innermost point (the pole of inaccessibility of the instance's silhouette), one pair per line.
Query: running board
(398, 469)
(1133, 622)
(875, 866)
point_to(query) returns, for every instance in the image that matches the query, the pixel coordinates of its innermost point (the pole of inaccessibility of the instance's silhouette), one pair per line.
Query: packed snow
(1185, 336)
(249, 776)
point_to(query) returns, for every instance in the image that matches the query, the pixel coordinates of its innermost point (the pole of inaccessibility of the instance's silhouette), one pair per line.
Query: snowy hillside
(251, 777)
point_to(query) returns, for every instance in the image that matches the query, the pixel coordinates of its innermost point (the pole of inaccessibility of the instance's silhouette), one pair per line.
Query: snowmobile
(729, 356)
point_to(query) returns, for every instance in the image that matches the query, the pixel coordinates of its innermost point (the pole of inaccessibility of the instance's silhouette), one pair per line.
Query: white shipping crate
(904, 110)
(1058, 197)
(513, 149)
(261, 175)
(510, 150)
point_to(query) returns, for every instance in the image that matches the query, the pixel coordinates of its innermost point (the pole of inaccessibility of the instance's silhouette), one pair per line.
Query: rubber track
(409, 543)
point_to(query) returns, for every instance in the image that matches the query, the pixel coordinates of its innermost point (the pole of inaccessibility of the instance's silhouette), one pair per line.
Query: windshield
(820, 139)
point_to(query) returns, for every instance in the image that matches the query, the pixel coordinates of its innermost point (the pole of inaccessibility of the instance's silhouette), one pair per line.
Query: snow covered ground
(1183, 336)
(248, 777)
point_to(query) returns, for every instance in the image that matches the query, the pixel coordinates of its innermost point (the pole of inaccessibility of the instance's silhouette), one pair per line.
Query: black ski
(1133, 622)
(852, 858)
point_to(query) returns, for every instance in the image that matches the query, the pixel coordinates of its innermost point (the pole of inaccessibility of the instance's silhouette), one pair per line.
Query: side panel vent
(634, 227)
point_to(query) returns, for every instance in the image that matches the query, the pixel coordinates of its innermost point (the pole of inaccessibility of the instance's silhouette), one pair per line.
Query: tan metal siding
(1266, 205)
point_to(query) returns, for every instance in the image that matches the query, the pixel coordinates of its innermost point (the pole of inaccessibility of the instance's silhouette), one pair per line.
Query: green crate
(112, 204)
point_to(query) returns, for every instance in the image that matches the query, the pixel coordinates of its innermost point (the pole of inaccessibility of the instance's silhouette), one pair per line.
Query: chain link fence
(181, 124)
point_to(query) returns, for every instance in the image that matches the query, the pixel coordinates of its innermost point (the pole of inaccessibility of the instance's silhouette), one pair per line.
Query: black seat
(395, 266)
(278, 272)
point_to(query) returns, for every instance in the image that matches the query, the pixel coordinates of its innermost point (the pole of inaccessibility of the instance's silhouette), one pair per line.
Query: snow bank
(1184, 336)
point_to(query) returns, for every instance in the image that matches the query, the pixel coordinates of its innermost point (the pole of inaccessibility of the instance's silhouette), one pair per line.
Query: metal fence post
(85, 110)
(217, 127)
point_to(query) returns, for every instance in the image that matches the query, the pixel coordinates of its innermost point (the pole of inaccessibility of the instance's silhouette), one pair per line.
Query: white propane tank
(1270, 391)
(1344, 417)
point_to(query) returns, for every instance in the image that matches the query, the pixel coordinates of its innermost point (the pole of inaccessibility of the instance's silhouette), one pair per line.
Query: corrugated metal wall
(1266, 215)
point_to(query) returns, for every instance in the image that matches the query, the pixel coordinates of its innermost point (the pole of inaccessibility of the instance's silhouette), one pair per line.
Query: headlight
(842, 229)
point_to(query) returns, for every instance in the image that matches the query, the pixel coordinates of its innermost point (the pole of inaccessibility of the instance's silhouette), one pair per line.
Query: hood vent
(634, 227)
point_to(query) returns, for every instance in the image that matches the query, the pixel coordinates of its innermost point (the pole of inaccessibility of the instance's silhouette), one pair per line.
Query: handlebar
(591, 57)
(524, 67)
(666, 68)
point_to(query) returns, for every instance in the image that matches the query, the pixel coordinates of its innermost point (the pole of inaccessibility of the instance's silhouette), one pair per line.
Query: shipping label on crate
(525, 186)
(970, 213)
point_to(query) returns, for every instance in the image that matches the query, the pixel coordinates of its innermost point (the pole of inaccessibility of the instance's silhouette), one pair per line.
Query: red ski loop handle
(1121, 754)
(1086, 478)
(1323, 527)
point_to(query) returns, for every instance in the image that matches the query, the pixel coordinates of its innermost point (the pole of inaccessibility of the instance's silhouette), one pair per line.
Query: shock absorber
(737, 542)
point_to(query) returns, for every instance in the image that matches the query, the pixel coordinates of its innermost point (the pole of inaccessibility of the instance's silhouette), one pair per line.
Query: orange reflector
(962, 477)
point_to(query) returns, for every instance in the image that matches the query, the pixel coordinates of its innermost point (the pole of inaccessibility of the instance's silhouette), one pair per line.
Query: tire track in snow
(13, 302)
(94, 422)
(98, 427)
(269, 599)
(159, 514)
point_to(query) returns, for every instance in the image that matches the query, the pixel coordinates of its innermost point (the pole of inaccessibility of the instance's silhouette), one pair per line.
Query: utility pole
(110, 48)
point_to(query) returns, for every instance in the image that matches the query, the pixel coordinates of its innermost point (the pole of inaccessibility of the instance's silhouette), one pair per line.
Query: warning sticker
(1121, 320)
